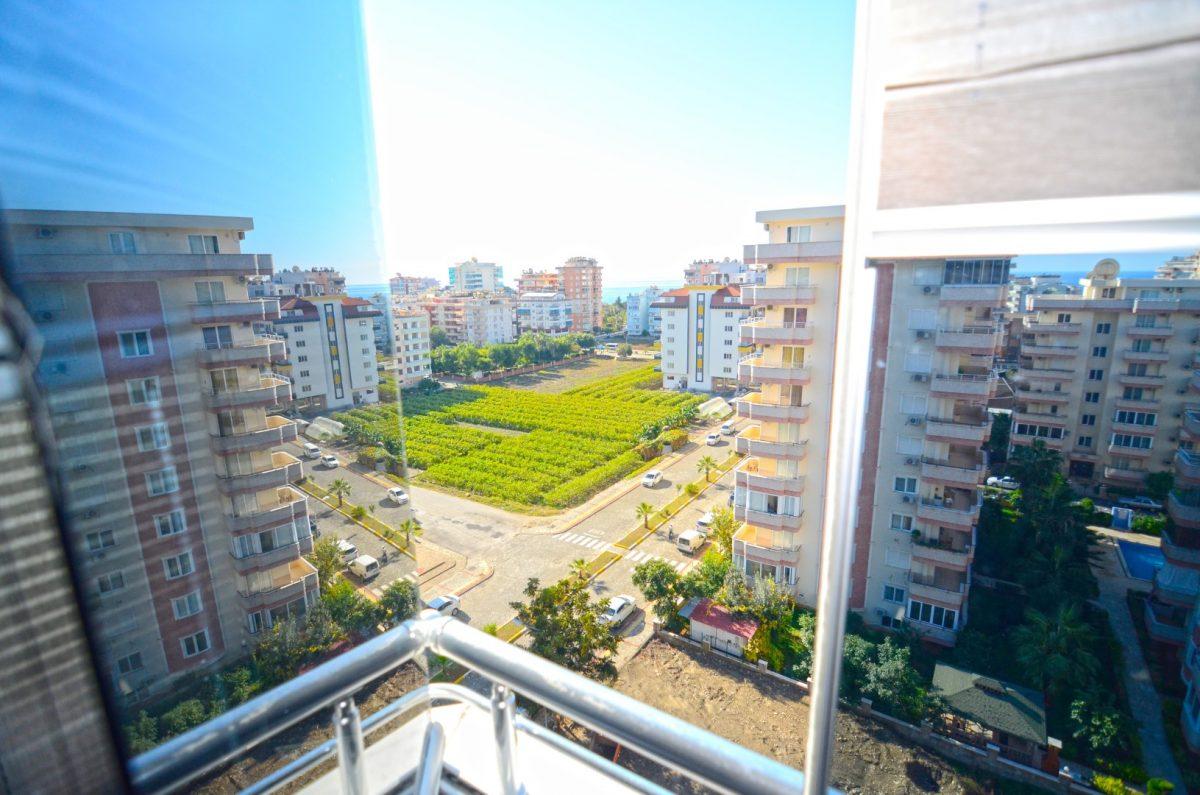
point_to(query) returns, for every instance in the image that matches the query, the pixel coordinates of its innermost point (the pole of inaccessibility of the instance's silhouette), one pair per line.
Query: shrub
(369, 456)
(1149, 525)
(142, 733)
(676, 437)
(185, 715)
(760, 648)
(692, 489)
(358, 512)
(1159, 786)
(1110, 785)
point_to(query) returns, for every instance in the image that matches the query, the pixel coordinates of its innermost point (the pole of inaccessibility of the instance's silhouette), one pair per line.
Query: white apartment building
(641, 317)
(726, 271)
(544, 313)
(474, 276)
(410, 329)
(385, 341)
(330, 351)
(402, 287)
(700, 337)
(473, 319)
(298, 282)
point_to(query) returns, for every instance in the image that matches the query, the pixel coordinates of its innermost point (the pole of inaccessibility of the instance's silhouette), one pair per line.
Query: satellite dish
(1106, 268)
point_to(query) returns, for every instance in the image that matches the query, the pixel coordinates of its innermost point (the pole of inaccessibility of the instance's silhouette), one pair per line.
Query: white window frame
(120, 242)
(157, 436)
(187, 605)
(162, 474)
(134, 386)
(168, 520)
(178, 559)
(183, 643)
(99, 537)
(136, 343)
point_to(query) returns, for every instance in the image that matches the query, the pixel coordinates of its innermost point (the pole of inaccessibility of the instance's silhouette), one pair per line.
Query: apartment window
(188, 605)
(365, 352)
(153, 437)
(729, 328)
(1095, 375)
(100, 540)
(169, 524)
(300, 343)
(799, 234)
(932, 614)
(302, 358)
(143, 391)
(909, 445)
(1087, 419)
(1132, 441)
(257, 622)
(897, 559)
(203, 244)
(1040, 431)
(304, 373)
(162, 481)
(297, 328)
(306, 389)
(893, 594)
(670, 339)
(1100, 351)
(109, 583)
(1141, 346)
(905, 485)
(1085, 441)
(1104, 328)
(1109, 292)
(121, 243)
(728, 355)
(1091, 397)
(130, 663)
(1064, 318)
(902, 522)
(135, 344)
(1132, 393)
(1136, 418)
(362, 336)
(179, 565)
(210, 292)
(195, 644)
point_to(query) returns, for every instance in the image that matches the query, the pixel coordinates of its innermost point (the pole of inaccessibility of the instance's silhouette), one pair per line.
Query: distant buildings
(1040, 284)
(474, 319)
(641, 316)
(727, 271)
(544, 313)
(581, 280)
(531, 281)
(297, 282)
(700, 336)
(474, 276)
(410, 330)
(381, 324)
(405, 286)
(330, 351)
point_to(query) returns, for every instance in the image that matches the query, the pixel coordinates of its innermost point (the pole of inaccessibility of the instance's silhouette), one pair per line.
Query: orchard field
(572, 444)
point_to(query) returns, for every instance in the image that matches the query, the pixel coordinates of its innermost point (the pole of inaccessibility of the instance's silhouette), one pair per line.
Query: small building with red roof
(718, 626)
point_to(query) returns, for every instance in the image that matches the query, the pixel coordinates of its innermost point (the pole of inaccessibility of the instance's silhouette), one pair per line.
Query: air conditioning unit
(910, 461)
(914, 420)
(928, 289)
(923, 335)
(907, 498)
(920, 378)
(1183, 391)
(46, 232)
(1178, 414)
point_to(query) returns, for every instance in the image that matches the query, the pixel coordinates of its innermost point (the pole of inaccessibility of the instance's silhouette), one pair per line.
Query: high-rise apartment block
(700, 338)
(161, 395)
(581, 280)
(641, 317)
(410, 330)
(544, 313)
(475, 276)
(402, 287)
(531, 281)
(473, 319)
(381, 324)
(727, 271)
(297, 282)
(330, 351)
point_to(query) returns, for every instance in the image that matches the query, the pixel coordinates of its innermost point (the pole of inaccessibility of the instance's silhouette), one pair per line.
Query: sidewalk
(1143, 698)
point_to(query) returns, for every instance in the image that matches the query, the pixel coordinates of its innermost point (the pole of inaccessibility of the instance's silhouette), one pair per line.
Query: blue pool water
(1141, 560)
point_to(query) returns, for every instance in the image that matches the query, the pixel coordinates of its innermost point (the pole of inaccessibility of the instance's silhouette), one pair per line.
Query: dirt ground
(569, 376)
(768, 716)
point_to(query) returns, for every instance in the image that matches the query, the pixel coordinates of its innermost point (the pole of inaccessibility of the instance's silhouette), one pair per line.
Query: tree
(340, 489)
(400, 600)
(736, 593)
(411, 528)
(1054, 650)
(142, 733)
(327, 559)
(1034, 463)
(720, 532)
(997, 443)
(353, 613)
(708, 578)
(644, 511)
(579, 568)
(438, 337)
(624, 349)
(565, 628)
(891, 680)
(1159, 484)
(706, 465)
(183, 716)
(659, 582)
(1097, 723)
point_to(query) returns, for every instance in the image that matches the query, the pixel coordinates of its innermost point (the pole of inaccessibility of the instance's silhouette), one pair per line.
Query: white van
(727, 428)
(364, 567)
(311, 450)
(689, 541)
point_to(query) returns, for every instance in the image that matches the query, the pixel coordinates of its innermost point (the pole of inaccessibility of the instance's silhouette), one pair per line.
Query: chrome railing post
(504, 705)
(347, 731)
(429, 776)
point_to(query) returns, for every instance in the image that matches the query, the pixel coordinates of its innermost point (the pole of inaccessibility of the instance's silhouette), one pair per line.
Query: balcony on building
(779, 294)
(1187, 466)
(1125, 476)
(965, 385)
(761, 331)
(945, 546)
(773, 521)
(750, 442)
(1038, 327)
(968, 423)
(754, 406)
(761, 474)
(763, 545)
(1181, 545)
(972, 294)
(959, 507)
(963, 466)
(1152, 381)
(1027, 392)
(271, 558)
(753, 370)
(1059, 443)
(1149, 357)
(1049, 351)
(283, 468)
(776, 253)
(1165, 623)
(278, 585)
(114, 267)
(1164, 330)
(1022, 414)
(267, 390)
(249, 310)
(261, 349)
(272, 508)
(275, 431)
(1176, 585)
(1040, 374)
(978, 339)
(1133, 452)
(1138, 405)
(945, 586)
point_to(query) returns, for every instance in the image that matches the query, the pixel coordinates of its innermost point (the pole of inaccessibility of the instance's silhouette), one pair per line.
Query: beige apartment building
(474, 319)
(411, 335)
(531, 281)
(581, 281)
(180, 503)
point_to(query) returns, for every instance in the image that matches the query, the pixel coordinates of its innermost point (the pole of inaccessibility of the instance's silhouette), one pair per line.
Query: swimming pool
(1141, 560)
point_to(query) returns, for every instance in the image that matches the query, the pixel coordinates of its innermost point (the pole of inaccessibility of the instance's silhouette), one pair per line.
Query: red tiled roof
(717, 616)
(355, 302)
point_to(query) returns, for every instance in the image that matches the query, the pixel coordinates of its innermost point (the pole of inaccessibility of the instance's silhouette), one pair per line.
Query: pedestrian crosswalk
(637, 555)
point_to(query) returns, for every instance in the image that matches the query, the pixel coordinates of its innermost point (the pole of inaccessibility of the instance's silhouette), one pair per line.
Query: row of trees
(464, 359)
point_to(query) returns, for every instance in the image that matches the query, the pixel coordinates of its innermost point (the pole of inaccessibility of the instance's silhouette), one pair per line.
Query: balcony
(1151, 357)
(275, 557)
(280, 585)
(1044, 395)
(1191, 422)
(779, 295)
(287, 505)
(1184, 509)
(763, 476)
(1150, 331)
(933, 550)
(1176, 552)
(1153, 381)
(759, 331)
(958, 473)
(754, 407)
(1139, 405)
(1125, 476)
(972, 339)
(1187, 465)
(957, 513)
(750, 443)
(266, 391)
(108, 267)
(774, 521)
(957, 430)
(1028, 438)
(249, 310)
(944, 590)
(1136, 452)
(277, 431)
(769, 253)
(751, 370)
(1050, 351)
(284, 468)
(261, 349)
(1165, 623)
(1052, 328)
(1039, 417)
(972, 294)
(470, 740)
(763, 546)
(963, 385)
(1045, 374)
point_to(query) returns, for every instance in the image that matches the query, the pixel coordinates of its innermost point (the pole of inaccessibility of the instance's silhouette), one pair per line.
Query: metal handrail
(700, 755)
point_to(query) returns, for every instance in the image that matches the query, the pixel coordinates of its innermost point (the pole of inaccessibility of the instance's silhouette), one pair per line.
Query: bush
(142, 733)
(358, 512)
(1110, 785)
(185, 715)
(1149, 525)
(676, 437)
(761, 648)
(692, 489)
(1159, 786)
(369, 456)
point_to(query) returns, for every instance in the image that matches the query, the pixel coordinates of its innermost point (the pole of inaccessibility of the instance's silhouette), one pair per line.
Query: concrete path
(1143, 698)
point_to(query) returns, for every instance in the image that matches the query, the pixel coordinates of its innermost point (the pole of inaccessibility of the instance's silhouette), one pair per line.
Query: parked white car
(348, 550)
(446, 605)
(330, 460)
(704, 523)
(619, 609)
(713, 439)
(1003, 483)
(1140, 503)
(397, 495)
(652, 478)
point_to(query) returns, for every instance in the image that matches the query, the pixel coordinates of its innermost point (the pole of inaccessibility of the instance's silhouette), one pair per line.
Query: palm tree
(410, 528)
(579, 568)
(1054, 649)
(340, 489)
(644, 512)
(706, 465)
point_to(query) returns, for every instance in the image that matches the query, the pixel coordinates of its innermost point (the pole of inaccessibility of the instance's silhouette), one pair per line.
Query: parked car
(330, 460)
(713, 439)
(446, 605)
(1003, 482)
(689, 541)
(619, 609)
(704, 523)
(727, 428)
(364, 567)
(652, 478)
(311, 450)
(1140, 503)
(348, 550)
(397, 495)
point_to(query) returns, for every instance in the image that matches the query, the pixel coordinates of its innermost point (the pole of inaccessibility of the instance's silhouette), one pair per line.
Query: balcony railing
(937, 551)
(1044, 395)
(284, 468)
(752, 370)
(1191, 422)
(1062, 351)
(751, 474)
(289, 504)
(244, 311)
(450, 737)
(260, 350)
(789, 252)
(972, 338)
(277, 431)
(1165, 623)
(941, 512)
(1052, 328)
(749, 443)
(1150, 331)
(1125, 475)
(763, 332)
(973, 293)
(1127, 379)
(267, 390)
(1175, 552)
(948, 472)
(927, 585)
(291, 581)
(780, 294)
(1131, 355)
(754, 407)
(775, 521)
(963, 384)
(272, 557)
(1187, 464)
(956, 430)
